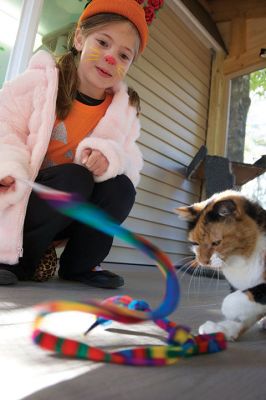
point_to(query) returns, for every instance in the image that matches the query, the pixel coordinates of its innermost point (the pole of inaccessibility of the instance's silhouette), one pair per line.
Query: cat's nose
(204, 256)
(204, 261)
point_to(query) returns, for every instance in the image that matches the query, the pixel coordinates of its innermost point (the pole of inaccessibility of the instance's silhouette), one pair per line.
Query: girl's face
(106, 56)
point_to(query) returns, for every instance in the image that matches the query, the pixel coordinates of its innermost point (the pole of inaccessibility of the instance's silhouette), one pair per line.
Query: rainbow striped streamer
(180, 342)
(72, 205)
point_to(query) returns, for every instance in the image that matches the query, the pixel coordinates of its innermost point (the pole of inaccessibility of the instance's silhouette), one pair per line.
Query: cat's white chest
(244, 273)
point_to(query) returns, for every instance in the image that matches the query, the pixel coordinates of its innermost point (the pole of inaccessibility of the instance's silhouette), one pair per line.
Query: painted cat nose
(110, 60)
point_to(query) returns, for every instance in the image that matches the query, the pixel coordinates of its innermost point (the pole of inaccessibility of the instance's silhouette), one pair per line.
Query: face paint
(110, 60)
(94, 55)
(120, 71)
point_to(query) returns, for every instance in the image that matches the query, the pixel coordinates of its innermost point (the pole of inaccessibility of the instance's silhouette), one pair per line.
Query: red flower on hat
(150, 7)
(149, 14)
(156, 4)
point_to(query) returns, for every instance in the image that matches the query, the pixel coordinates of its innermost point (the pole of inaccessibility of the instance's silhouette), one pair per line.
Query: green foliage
(257, 82)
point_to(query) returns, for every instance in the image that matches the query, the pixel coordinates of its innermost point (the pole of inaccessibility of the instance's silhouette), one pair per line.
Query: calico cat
(228, 232)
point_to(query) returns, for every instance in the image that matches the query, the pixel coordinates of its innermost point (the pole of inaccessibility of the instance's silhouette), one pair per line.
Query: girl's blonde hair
(67, 65)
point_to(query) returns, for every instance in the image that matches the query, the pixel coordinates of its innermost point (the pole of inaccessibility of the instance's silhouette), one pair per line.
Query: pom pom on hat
(131, 9)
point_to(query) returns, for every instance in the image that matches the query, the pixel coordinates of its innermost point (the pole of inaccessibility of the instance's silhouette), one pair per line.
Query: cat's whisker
(213, 275)
(186, 258)
(225, 263)
(180, 262)
(196, 277)
(192, 276)
(184, 265)
(200, 276)
(198, 273)
(184, 269)
(218, 279)
(191, 265)
(202, 273)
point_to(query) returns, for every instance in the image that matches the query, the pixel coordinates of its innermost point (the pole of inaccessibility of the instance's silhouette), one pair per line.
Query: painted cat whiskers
(95, 56)
(120, 70)
(228, 233)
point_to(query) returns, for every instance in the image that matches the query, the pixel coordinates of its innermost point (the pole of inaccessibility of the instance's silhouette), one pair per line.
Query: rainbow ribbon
(180, 341)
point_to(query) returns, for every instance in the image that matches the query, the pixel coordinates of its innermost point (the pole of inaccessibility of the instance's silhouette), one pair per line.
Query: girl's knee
(123, 189)
(116, 196)
(79, 178)
(125, 184)
(69, 178)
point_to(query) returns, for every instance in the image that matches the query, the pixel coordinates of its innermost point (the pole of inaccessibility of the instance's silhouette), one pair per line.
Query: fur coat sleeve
(115, 136)
(14, 153)
(26, 119)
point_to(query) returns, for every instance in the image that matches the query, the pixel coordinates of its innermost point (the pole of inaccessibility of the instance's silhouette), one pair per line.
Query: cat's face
(219, 228)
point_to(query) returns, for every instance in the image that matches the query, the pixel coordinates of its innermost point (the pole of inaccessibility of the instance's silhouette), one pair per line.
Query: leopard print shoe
(47, 267)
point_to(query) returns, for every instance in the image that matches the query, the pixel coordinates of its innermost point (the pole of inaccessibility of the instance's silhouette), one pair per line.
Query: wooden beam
(206, 5)
(226, 10)
(238, 42)
(205, 20)
(246, 40)
(244, 64)
(218, 109)
(196, 25)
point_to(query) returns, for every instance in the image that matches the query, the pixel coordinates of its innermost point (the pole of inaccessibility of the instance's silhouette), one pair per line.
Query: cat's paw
(208, 327)
(262, 323)
(231, 329)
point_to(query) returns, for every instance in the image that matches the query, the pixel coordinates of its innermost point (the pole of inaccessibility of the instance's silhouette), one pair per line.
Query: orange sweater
(67, 134)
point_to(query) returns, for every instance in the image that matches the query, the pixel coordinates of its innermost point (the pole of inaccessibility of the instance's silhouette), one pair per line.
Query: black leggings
(86, 247)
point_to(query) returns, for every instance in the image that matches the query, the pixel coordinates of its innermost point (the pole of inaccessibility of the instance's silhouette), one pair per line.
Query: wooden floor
(28, 372)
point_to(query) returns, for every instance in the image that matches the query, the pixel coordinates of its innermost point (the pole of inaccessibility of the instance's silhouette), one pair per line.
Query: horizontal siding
(120, 254)
(166, 90)
(172, 84)
(155, 102)
(172, 78)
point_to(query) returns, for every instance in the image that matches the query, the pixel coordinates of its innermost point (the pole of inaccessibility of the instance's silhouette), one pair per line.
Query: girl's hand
(6, 183)
(95, 161)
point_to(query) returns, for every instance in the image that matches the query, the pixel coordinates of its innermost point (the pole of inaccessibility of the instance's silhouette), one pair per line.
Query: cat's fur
(228, 232)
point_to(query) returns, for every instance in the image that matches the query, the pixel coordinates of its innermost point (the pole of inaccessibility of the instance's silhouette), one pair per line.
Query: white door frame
(26, 34)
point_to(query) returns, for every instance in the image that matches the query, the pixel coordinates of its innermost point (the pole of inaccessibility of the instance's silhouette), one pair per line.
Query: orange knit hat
(130, 9)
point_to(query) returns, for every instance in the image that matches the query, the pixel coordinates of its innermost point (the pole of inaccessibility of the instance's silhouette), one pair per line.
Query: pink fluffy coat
(27, 116)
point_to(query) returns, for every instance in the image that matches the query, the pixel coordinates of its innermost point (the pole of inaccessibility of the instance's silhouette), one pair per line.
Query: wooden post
(218, 109)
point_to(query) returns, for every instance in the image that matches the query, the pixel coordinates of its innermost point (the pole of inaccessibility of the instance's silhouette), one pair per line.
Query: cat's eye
(216, 243)
(194, 243)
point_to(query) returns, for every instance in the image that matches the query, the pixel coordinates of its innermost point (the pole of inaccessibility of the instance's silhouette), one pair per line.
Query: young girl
(71, 126)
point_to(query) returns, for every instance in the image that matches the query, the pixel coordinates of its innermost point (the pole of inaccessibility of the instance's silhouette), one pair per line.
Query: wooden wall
(173, 80)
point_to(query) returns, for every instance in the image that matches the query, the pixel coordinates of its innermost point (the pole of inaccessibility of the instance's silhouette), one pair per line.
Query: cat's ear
(189, 213)
(225, 208)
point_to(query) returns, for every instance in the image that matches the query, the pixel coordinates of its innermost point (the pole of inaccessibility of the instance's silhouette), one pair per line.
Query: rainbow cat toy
(179, 343)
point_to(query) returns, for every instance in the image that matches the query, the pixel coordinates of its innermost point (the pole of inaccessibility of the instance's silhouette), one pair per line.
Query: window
(54, 20)
(9, 21)
(57, 19)
(247, 127)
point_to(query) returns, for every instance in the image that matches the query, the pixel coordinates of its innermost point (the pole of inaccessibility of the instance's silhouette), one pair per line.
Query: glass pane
(9, 21)
(247, 127)
(58, 18)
